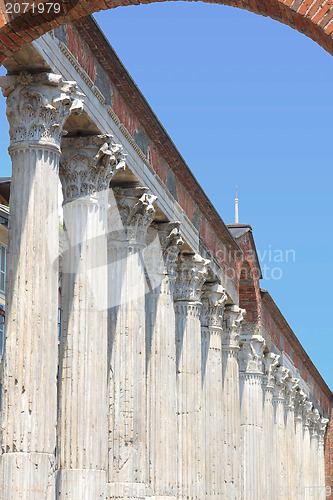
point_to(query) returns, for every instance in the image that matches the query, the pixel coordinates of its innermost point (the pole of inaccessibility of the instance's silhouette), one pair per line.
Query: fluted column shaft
(191, 274)
(131, 212)
(37, 107)
(232, 319)
(87, 165)
(279, 432)
(250, 382)
(270, 364)
(290, 437)
(162, 254)
(213, 299)
(321, 458)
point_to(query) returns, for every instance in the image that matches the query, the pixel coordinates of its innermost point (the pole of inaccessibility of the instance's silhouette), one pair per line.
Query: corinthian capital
(232, 319)
(281, 376)
(38, 106)
(251, 354)
(271, 362)
(322, 424)
(213, 299)
(136, 210)
(291, 391)
(191, 274)
(88, 164)
(300, 398)
(170, 240)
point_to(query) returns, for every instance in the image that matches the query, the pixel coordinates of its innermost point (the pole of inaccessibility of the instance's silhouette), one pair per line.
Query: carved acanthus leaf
(281, 376)
(271, 362)
(38, 106)
(136, 209)
(191, 273)
(232, 319)
(213, 300)
(88, 164)
(251, 354)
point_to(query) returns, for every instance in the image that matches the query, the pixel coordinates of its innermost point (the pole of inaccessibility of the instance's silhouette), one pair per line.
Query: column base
(28, 476)
(81, 484)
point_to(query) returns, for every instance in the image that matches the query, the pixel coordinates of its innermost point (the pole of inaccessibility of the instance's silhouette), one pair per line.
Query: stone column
(307, 410)
(300, 398)
(37, 107)
(131, 213)
(279, 426)
(251, 396)
(191, 274)
(314, 452)
(162, 254)
(321, 458)
(290, 436)
(213, 300)
(270, 365)
(232, 318)
(87, 166)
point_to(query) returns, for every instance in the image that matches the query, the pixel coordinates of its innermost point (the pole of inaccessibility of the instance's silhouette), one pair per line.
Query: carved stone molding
(251, 354)
(135, 206)
(271, 362)
(191, 274)
(300, 398)
(322, 425)
(232, 319)
(38, 106)
(290, 394)
(213, 299)
(281, 376)
(307, 413)
(171, 241)
(88, 164)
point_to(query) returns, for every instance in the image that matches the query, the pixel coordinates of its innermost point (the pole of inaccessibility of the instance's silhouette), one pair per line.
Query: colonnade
(157, 391)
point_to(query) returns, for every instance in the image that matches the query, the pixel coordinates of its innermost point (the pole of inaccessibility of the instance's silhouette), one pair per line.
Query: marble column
(162, 254)
(281, 375)
(251, 396)
(314, 452)
(191, 274)
(290, 436)
(307, 410)
(37, 108)
(87, 166)
(130, 215)
(213, 300)
(321, 458)
(300, 399)
(270, 366)
(232, 318)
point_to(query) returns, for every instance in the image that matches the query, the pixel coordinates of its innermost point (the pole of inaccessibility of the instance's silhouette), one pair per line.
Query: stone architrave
(232, 319)
(271, 361)
(131, 213)
(162, 254)
(37, 108)
(251, 356)
(87, 166)
(213, 300)
(191, 274)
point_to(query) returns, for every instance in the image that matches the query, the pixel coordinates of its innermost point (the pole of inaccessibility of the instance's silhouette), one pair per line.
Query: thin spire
(236, 206)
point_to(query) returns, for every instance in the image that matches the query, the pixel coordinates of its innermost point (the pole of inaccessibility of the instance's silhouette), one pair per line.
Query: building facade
(175, 376)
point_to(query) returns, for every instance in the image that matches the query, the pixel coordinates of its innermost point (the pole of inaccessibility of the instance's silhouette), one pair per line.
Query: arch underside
(313, 18)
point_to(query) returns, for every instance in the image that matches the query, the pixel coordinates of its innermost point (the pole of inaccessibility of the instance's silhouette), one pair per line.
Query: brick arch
(314, 18)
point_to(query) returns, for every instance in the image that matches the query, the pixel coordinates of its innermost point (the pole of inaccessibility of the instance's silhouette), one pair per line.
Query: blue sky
(247, 101)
